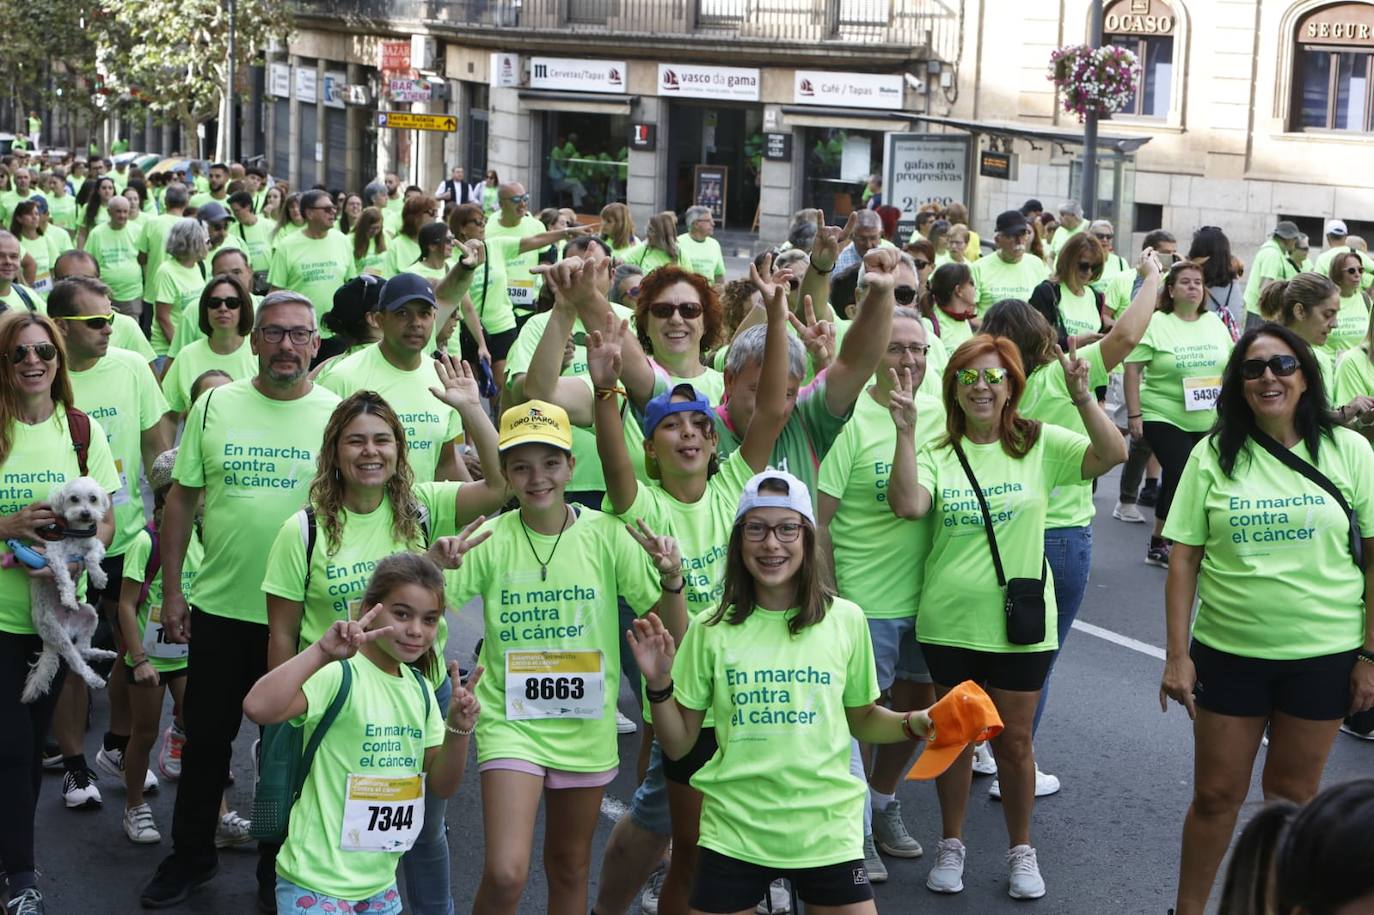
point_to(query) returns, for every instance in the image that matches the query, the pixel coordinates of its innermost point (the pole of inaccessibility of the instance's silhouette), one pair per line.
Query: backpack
(79, 428)
(310, 533)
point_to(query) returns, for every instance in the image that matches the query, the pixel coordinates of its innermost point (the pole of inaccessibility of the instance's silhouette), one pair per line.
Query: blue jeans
(1069, 552)
(426, 866)
(649, 807)
(293, 899)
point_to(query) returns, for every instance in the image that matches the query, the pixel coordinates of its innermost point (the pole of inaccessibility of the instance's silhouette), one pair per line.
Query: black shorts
(1014, 671)
(164, 677)
(109, 595)
(723, 884)
(1314, 689)
(680, 771)
(497, 344)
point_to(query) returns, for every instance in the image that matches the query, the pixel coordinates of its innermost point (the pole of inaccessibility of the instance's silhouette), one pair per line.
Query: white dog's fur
(64, 624)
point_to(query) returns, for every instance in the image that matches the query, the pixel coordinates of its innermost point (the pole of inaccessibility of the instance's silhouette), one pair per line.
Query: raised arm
(825, 250)
(654, 647)
(905, 495)
(1130, 327)
(544, 379)
(770, 406)
(1106, 447)
(867, 338)
(450, 290)
(458, 389)
(603, 365)
(553, 237)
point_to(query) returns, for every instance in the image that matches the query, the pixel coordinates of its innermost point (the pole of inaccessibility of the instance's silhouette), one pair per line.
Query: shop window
(1333, 80)
(838, 165)
(586, 160)
(1147, 28)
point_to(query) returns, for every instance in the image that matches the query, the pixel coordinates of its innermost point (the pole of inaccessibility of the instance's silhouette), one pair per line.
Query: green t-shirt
(197, 359)
(123, 395)
(127, 335)
(1118, 292)
(153, 244)
(256, 240)
(14, 299)
(204, 197)
(1061, 236)
(44, 249)
(40, 459)
(962, 604)
(490, 290)
(779, 701)
(8, 201)
(1184, 361)
(429, 423)
(338, 578)
(382, 732)
(371, 262)
(179, 286)
(952, 333)
(1354, 375)
(522, 286)
(1352, 324)
(650, 259)
(997, 280)
(255, 458)
(864, 532)
(1114, 266)
(570, 609)
(1271, 263)
(62, 211)
(805, 440)
(314, 267)
(1079, 312)
(135, 566)
(401, 254)
(1276, 581)
(1047, 399)
(116, 251)
(704, 256)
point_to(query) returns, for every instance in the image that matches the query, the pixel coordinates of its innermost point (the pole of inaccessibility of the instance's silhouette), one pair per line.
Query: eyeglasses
(992, 375)
(757, 531)
(44, 351)
(1086, 266)
(1353, 271)
(521, 198)
(328, 209)
(1281, 366)
(916, 349)
(232, 302)
(905, 295)
(1103, 236)
(94, 322)
(299, 335)
(664, 310)
(920, 264)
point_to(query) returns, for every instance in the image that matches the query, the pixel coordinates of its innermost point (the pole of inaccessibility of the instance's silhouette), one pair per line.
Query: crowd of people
(803, 509)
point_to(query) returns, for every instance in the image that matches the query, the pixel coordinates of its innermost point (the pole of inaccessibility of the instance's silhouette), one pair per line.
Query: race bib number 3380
(554, 684)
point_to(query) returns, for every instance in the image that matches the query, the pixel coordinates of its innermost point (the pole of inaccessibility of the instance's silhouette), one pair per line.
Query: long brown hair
(245, 325)
(814, 594)
(1017, 433)
(407, 569)
(1083, 246)
(415, 214)
(653, 286)
(11, 326)
(370, 216)
(327, 491)
(1166, 289)
(618, 216)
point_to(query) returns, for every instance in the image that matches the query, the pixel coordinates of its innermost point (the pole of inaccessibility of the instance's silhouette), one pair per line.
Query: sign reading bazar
(921, 168)
(850, 90)
(394, 57)
(572, 75)
(739, 84)
(1346, 24)
(1138, 17)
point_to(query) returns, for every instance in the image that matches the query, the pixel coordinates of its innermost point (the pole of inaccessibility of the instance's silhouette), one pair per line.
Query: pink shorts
(554, 779)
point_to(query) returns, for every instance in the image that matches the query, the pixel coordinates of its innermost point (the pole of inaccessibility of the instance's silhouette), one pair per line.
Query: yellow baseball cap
(535, 422)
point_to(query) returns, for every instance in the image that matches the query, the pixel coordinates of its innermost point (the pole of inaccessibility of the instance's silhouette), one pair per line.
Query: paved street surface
(1107, 843)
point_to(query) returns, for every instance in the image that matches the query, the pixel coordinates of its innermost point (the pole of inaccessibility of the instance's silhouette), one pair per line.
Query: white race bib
(121, 495)
(382, 813)
(521, 293)
(155, 643)
(554, 684)
(1201, 393)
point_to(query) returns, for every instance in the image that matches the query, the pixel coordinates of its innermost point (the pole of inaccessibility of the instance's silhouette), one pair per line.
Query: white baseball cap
(1336, 227)
(798, 497)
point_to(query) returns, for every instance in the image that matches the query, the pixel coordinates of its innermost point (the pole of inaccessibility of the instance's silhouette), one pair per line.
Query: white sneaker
(79, 791)
(779, 901)
(648, 900)
(983, 763)
(169, 756)
(947, 876)
(139, 825)
(232, 831)
(112, 763)
(1347, 729)
(1126, 511)
(1026, 882)
(623, 725)
(1045, 785)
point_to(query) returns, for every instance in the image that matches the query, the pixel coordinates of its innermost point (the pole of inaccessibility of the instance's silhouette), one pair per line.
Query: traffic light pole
(1089, 198)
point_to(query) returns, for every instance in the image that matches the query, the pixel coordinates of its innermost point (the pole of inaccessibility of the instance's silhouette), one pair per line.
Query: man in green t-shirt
(1070, 224)
(249, 449)
(316, 260)
(253, 233)
(23, 189)
(218, 190)
(515, 220)
(115, 245)
(155, 229)
(1272, 262)
(1010, 273)
(13, 294)
(702, 251)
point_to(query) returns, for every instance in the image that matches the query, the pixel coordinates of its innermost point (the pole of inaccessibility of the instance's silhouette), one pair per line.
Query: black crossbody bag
(1023, 598)
(1297, 464)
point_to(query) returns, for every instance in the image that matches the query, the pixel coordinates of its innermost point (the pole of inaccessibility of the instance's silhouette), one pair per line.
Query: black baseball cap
(403, 288)
(1011, 222)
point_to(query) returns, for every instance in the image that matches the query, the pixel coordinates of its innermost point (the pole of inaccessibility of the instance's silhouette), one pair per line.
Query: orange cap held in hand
(963, 716)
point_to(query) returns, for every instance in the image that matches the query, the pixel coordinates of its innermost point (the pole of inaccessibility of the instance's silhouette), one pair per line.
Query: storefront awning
(586, 102)
(851, 118)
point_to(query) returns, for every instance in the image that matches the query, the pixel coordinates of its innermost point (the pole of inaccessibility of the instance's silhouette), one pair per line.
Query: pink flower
(306, 902)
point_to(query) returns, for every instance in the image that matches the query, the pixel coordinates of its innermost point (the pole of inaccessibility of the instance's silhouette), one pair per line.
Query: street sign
(777, 147)
(405, 120)
(409, 90)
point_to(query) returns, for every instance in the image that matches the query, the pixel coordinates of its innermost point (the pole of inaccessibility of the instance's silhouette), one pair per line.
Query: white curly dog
(65, 624)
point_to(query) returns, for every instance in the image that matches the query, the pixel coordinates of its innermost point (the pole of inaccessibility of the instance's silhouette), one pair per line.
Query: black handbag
(1295, 463)
(1023, 598)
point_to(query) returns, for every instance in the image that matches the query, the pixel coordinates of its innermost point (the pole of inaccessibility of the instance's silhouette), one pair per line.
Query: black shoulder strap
(311, 531)
(987, 515)
(201, 265)
(424, 687)
(1293, 462)
(205, 416)
(25, 297)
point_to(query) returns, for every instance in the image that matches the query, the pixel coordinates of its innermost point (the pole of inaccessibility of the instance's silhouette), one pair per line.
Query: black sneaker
(1149, 494)
(1158, 554)
(173, 882)
(52, 756)
(29, 902)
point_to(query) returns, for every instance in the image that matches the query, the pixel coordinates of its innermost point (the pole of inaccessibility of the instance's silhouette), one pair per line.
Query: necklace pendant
(543, 572)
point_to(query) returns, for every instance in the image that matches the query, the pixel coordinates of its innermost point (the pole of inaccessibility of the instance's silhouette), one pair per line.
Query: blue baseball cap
(662, 405)
(403, 288)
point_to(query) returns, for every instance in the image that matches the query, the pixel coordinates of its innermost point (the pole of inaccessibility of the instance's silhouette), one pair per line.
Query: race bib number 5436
(1201, 393)
(554, 684)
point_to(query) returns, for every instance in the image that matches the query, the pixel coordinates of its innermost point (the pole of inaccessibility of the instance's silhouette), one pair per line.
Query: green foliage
(50, 50)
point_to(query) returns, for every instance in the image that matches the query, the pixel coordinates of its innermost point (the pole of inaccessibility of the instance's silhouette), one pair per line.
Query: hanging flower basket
(1087, 79)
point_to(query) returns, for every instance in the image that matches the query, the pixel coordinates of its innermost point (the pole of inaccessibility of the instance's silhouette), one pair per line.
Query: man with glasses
(702, 251)
(249, 448)
(114, 386)
(515, 221)
(1338, 241)
(1114, 265)
(866, 231)
(126, 334)
(1008, 273)
(314, 261)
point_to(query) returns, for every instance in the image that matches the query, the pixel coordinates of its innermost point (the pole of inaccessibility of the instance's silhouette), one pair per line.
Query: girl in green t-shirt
(369, 243)
(951, 300)
(618, 229)
(787, 669)
(361, 806)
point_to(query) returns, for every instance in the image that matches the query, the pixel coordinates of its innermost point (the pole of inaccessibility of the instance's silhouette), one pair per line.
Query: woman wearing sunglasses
(993, 463)
(35, 443)
(1283, 639)
(226, 319)
(1352, 323)
(1171, 383)
(1067, 299)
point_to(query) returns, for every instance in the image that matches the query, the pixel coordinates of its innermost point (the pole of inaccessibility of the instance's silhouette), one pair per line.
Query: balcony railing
(922, 27)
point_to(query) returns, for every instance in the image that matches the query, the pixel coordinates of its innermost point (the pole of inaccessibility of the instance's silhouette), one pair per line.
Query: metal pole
(229, 112)
(1089, 189)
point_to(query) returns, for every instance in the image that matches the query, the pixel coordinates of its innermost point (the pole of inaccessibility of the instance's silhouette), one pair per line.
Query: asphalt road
(1107, 842)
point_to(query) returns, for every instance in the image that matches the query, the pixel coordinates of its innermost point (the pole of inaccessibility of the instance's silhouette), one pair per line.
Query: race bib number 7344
(382, 813)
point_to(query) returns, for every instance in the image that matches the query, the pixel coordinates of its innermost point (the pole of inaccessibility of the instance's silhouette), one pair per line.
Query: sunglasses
(44, 351)
(522, 198)
(920, 264)
(664, 310)
(94, 322)
(992, 375)
(1103, 237)
(1353, 271)
(905, 295)
(329, 209)
(1086, 267)
(231, 302)
(1281, 366)
(757, 531)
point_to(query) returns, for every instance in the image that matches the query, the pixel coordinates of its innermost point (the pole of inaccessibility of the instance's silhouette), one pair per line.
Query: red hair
(657, 282)
(1017, 433)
